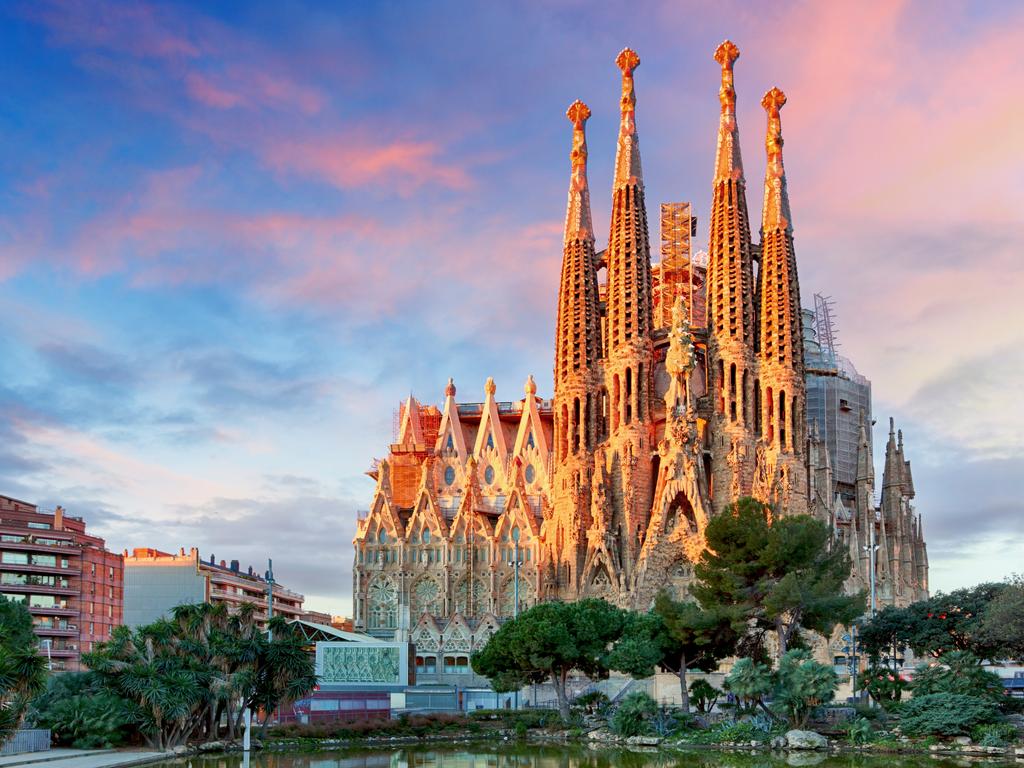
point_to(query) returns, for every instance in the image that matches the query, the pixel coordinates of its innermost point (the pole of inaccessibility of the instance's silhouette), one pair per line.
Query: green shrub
(703, 695)
(994, 734)
(858, 731)
(633, 716)
(945, 714)
(593, 700)
(81, 714)
(959, 672)
(801, 686)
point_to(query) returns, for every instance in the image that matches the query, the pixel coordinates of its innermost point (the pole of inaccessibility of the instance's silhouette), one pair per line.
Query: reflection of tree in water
(515, 755)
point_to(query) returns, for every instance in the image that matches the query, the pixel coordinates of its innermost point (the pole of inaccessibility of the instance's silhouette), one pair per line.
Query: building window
(40, 526)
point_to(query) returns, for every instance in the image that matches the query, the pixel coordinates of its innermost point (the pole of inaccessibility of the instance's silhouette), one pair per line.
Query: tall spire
(728, 163)
(627, 156)
(578, 222)
(731, 319)
(776, 213)
(629, 255)
(577, 335)
(780, 327)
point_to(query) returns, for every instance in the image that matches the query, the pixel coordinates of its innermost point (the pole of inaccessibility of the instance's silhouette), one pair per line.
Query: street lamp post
(270, 596)
(515, 588)
(871, 548)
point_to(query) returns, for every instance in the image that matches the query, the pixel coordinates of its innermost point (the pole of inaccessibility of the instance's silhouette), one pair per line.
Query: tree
(888, 632)
(750, 682)
(184, 673)
(801, 686)
(778, 572)
(80, 713)
(953, 622)
(883, 684)
(549, 641)
(22, 669)
(797, 687)
(677, 636)
(704, 695)
(1002, 621)
(959, 672)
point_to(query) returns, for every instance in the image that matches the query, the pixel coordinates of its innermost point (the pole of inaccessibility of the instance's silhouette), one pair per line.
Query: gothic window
(426, 536)
(426, 598)
(489, 474)
(527, 596)
(470, 602)
(490, 440)
(383, 599)
(530, 474)
(628, 417)
(449, 473)
(782, 420)
(450, 446)
(529, 440)
(382, 536)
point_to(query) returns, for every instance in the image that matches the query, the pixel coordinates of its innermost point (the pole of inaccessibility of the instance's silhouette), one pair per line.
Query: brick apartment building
(155, 582)
(70, 582)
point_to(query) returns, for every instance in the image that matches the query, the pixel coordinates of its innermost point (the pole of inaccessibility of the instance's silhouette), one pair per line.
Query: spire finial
(899, 440)
(728, 163)
(530, 388)
(776, 214)
(627, 159)
(726, 54)
(449, 391)
(490, 387)
(892, 426)
(578, 223)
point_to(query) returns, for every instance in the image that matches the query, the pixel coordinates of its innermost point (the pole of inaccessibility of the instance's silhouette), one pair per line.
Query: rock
(644, 741)
(601, 734)
(804, 758)
(805, 740)
(778, 742)
(962, 741)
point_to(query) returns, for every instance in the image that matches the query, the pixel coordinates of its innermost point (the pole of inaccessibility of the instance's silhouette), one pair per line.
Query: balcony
(73, 569)
(69, 631)
(36, 588)
(52, 610)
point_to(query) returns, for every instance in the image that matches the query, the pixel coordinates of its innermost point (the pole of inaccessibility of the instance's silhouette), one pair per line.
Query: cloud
(356, 161)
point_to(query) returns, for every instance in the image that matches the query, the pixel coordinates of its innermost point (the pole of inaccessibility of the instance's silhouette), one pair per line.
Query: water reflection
(528, 756)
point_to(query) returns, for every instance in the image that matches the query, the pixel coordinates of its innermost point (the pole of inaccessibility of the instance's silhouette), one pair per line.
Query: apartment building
(70, 582)
(155, 582)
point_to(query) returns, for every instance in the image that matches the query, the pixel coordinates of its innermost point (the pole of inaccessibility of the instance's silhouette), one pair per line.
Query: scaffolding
(675, 274)
(825, 328)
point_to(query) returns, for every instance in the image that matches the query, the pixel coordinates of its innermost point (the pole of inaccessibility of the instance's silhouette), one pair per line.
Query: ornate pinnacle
(776, 214)
(726, 55)
(530, 388)
(489, 386)
(728, 164)
(449, 391)
(578, 224)
(627, 158)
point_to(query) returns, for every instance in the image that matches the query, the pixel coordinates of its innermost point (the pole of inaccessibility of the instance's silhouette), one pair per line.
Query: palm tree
(22, 669)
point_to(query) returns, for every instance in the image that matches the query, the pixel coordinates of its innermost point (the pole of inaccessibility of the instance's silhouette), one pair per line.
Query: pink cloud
(351, 161)
(203, 90)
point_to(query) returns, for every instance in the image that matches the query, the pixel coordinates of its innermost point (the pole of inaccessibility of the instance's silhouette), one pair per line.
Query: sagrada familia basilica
(668, 405)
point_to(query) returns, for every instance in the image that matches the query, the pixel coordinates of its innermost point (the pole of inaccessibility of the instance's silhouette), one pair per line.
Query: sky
(233, 236)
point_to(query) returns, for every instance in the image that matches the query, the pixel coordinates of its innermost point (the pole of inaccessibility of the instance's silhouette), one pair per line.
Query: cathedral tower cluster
(605, 490)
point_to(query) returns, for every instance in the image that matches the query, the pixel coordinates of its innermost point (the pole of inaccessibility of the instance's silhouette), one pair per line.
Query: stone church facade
(606, 488)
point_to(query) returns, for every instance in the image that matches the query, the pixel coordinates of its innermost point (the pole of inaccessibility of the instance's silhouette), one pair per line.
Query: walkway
(81, 758)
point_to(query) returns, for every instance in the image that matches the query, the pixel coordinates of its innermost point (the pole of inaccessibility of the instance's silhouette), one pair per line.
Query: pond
(569, 756)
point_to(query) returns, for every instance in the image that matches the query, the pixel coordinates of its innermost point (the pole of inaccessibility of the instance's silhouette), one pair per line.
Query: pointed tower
(731, 317)
(577, 369)
(630, 352)
(781, 358)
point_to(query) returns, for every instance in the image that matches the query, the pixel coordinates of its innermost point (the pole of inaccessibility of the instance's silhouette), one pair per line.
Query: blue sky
(233, 236)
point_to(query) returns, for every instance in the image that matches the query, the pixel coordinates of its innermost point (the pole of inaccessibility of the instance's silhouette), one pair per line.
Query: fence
(27, 740)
